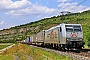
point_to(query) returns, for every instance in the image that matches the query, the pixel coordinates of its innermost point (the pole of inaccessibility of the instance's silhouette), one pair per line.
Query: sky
(19, 12)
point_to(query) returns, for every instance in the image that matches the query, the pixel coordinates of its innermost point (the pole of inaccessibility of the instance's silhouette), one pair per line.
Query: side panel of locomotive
(52, 35)
(56, 35)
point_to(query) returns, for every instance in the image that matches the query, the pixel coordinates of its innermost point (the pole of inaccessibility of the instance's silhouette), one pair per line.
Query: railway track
(84, 54)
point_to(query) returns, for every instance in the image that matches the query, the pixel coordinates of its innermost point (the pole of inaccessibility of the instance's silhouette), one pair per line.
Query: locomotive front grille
(74, 44)
(74, 39)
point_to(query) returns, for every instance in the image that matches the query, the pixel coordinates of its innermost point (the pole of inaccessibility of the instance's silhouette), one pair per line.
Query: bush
(7, 41)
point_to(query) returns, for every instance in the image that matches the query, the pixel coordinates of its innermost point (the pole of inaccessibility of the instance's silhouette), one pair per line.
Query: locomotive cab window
(73, 28)
(77, 29)
(69, 28)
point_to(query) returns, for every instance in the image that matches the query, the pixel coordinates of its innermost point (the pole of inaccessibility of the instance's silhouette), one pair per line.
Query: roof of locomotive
(59, 26)
(72, 24)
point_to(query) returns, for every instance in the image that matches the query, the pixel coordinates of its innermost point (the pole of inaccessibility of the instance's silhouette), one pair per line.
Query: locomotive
(62, 36)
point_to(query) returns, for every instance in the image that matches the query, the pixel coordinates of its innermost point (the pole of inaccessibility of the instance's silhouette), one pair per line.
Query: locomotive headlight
(67, 38)
(81, 39)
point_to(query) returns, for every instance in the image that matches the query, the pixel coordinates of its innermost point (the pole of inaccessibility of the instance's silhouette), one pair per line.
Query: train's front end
(74, 36)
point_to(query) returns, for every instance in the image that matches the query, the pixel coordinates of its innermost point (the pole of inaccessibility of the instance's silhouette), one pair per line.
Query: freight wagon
(38, 39)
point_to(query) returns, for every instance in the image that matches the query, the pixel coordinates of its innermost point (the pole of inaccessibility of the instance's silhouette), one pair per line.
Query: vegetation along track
(84, 54)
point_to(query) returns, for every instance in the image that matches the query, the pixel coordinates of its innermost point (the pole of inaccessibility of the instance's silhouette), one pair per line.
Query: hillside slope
(21, 32)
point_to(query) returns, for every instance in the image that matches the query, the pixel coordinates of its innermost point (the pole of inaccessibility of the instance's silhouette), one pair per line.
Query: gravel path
(28, 57)
(17, 57)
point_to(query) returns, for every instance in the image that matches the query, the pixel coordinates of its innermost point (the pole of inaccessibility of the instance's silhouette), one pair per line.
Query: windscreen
(73, 28)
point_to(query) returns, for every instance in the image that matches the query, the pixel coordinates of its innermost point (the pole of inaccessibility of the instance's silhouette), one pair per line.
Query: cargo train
(62, 36)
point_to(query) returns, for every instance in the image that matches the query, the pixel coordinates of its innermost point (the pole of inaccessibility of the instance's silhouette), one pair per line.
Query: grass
(21, 50)
(3, 45)
(6, 57)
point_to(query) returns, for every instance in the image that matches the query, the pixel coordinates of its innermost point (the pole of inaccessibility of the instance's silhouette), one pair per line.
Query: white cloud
(27, 8)
(72, 7)
(9, 4)
(88, 8)
(24, 7)
(2, 22)
(63, 5)
(62, 0)
(33, 10)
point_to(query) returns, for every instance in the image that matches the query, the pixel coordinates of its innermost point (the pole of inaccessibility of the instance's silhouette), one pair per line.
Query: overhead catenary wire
(56, 10)
(68, 6)
(77, 5)
(72, 8)
(61, 5)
